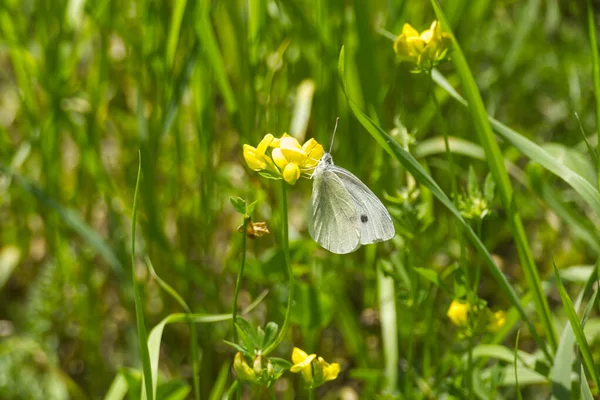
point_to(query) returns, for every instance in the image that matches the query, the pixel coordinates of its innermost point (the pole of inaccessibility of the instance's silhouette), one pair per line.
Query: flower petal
(291, 173)
(298, 355)
(242, 369)
(330, 371)
(279, 158)
(409, 31)
(314, 151)
(254, 160)
(264, 144)
(458, 312)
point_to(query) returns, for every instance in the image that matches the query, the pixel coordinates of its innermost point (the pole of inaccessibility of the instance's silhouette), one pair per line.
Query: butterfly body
(344, 213)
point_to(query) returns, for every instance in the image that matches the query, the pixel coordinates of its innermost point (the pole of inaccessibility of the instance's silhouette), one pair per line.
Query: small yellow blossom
(254, 230)
(315, 370)
(288, 160)
(497, 321)
(426, 50)
(242, 369)
(330, 371)
(458, 313)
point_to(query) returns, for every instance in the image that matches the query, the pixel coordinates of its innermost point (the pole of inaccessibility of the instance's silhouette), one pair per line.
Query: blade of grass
(503, 184)
(218, 389)
(595, 70)
(518, 389)
(174, 29)
(577, 330)
(419, 173)
(565, 354)
(590, 149)
(435, 145)
(193, 333)
(212, 53)
(389, 330)
(155, 337)
(137, 296)
(118, 388)
(586, 392)
(69, 217)
(588, 193)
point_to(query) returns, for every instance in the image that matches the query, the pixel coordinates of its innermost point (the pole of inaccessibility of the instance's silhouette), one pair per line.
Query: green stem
(453, 180)
(238, 282)
(195, 360)
(311, 394)
(286, 252)
(389, 329)
(470, 365)
(477, 260)
(442, 127)
(595, 70)
(137, 297)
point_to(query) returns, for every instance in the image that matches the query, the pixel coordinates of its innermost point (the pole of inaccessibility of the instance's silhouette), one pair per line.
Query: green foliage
(84, 86)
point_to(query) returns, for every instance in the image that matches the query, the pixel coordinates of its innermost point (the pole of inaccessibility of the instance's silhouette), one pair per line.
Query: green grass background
(84, 85)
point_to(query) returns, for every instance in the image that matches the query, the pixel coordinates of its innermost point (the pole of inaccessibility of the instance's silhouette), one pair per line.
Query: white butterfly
(344, 213)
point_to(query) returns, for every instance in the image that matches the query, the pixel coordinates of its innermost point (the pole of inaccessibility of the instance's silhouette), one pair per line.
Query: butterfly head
(323, 164)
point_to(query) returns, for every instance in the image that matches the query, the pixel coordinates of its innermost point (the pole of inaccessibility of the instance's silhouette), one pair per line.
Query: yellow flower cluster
(459, 311)
(315, 370)
(426, 50)
(287, 159)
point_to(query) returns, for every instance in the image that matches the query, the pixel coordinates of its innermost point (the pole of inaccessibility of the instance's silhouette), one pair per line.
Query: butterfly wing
(374, 219)
(332, 218)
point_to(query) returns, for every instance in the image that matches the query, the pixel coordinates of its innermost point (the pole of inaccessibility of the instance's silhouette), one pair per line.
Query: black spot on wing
(364, 219)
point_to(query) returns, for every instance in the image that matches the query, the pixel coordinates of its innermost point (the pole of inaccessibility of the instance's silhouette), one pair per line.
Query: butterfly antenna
(333, 136)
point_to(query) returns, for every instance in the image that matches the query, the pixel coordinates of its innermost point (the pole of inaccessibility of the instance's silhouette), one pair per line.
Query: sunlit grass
(480, 161)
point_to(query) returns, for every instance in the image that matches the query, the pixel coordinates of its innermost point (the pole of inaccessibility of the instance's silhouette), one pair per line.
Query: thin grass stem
(595, 71)
(286, 252)
(238, 281)
(137, 297)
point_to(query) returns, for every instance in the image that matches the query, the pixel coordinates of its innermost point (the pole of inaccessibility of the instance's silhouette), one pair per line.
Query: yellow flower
(242, 369)
(425, 50)
(288, 160)
(315, 370)
(330, 371)
(497, 321)
(458, 312)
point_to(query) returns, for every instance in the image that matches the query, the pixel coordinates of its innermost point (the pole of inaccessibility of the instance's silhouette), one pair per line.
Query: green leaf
(505, 190)
(432, 276)
(565, 354)
(250, 207)
(147, 392)
(595, 69)
(70, 217)
(419, 173)
(218, 389)
(534, 152)
(572, 159)
(489, 189)
(155, 337)
(206, 35)
(118, 388)
(472, 185)
(247, 338)
(175, 27)
(239, 204)
(270, 334)
(577, 330)
(515, 366)
(238, 347)
(586, 392)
